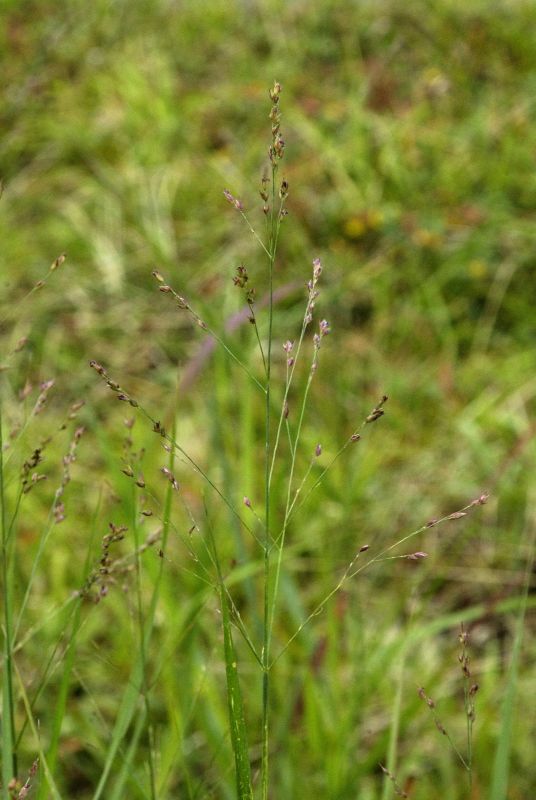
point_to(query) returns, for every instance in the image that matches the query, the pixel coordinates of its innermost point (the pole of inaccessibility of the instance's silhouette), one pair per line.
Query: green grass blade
(8, 724)
(137, 682)
(129, 705)
(237, 719)
(501, 765)
(396, 713)
(62, 698)
(127, 769)
(68, 666)
(127, 709)
(53, 789)
(7, 730)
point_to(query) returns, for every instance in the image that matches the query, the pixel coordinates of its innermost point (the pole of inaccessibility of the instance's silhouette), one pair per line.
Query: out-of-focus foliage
(410, 134)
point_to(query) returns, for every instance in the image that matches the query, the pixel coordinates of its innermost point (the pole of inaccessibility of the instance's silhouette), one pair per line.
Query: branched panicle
(470, 687)
(240, 280)
(277, 148)
(108, 570)
(28, 481)
(275, 154)
(313, 291)
(274, 192)
(68, 459)
(101, 577)
(30, 478)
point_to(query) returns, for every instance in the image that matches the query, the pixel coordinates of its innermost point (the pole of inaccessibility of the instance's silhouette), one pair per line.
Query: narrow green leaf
(54, 793)
(118, 791)
(501, 765)
(237, 719)
(129, 705)
(8, 724)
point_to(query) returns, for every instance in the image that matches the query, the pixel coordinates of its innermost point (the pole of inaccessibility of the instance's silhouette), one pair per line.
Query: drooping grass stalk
(139, 672)
(40, 284)
(185, 305)
(294, 506)
(136, 682)
(138, 686)
(291, 502)
(157, 428)
(9, 763)
(375, 414)
(352, 570)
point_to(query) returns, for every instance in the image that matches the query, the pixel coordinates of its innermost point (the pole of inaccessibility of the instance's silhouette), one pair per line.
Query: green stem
(289, 503)
(255, 234)
(143, 644)
(9, 764)
(265, 655)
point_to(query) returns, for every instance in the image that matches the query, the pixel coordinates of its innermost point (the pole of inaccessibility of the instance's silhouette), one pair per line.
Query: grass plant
(209, 590)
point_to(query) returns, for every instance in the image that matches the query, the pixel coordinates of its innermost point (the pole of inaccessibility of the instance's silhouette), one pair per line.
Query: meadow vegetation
(382, 625)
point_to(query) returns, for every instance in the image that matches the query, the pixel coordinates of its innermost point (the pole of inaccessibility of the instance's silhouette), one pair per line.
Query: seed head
(58, 262)
(275, 92)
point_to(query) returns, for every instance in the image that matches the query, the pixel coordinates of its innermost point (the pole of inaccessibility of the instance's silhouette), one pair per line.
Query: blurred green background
(410, 153)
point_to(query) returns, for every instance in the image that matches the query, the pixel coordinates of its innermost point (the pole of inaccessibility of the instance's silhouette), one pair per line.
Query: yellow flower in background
(358, 225)
(425, 238)
(477, 268)
(355, 227)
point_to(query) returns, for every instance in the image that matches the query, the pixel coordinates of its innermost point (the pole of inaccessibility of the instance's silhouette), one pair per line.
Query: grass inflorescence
(228, 583)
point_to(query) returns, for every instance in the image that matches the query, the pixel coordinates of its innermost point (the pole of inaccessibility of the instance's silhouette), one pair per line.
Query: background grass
(410, 157)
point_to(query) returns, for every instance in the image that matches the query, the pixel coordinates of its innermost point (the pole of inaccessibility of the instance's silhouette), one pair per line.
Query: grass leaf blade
(501, 765)
(237, 719)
